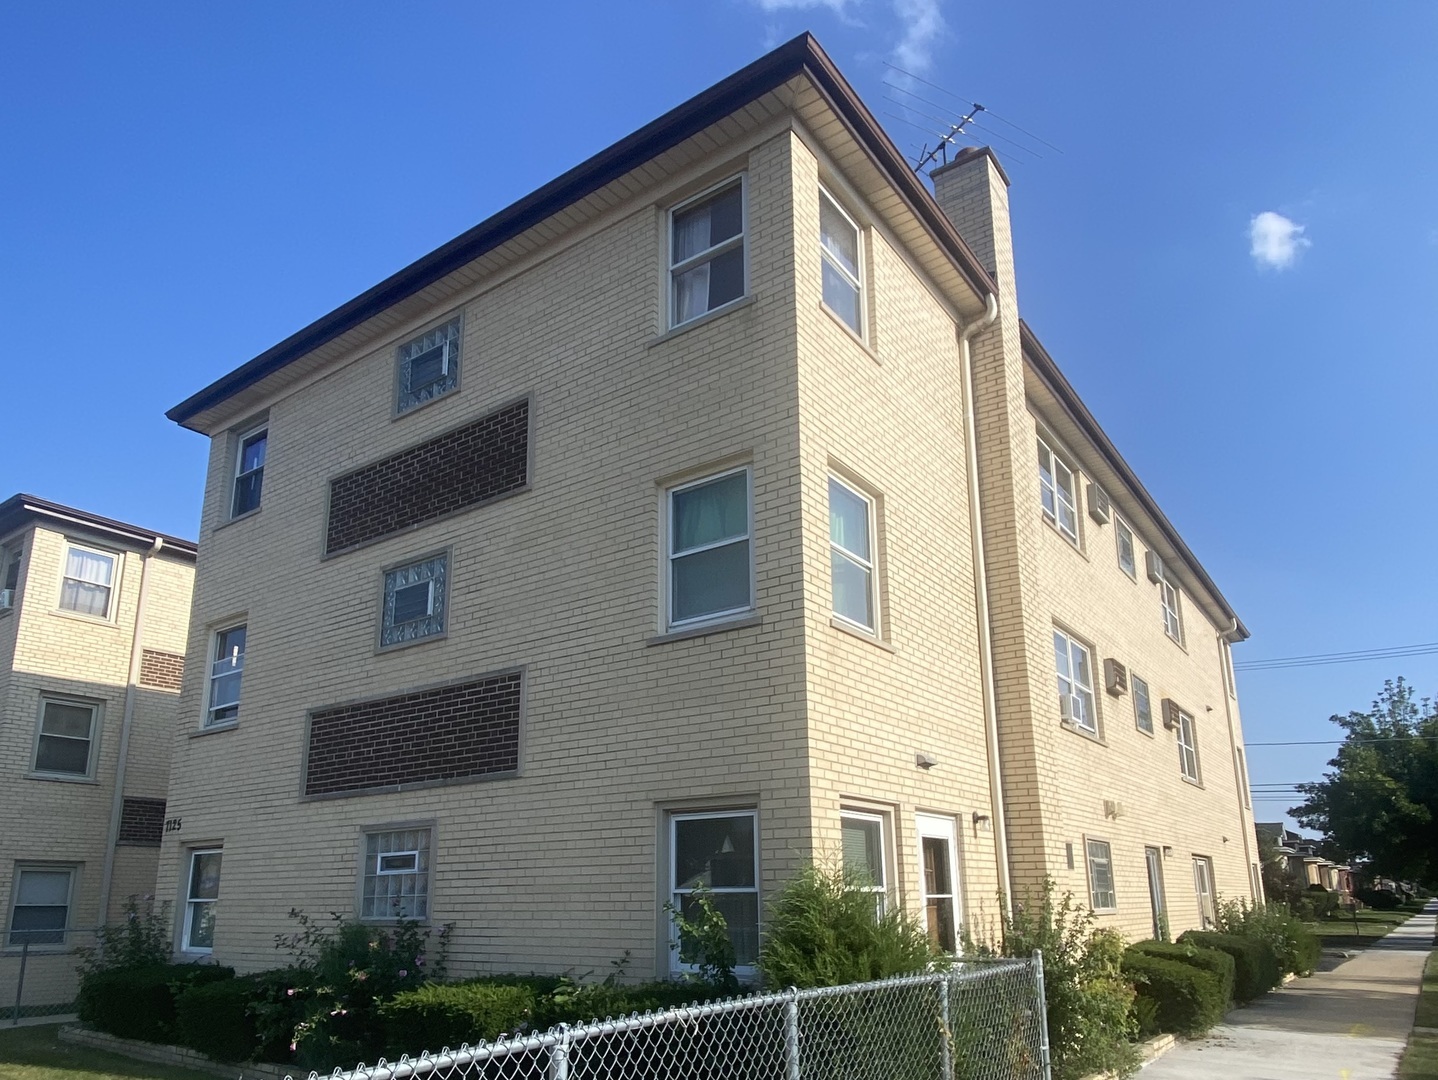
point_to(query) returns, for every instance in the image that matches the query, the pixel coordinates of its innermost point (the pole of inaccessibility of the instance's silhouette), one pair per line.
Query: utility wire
(1351, 657)
(956, 97)
(971, 122)
(1343, 742)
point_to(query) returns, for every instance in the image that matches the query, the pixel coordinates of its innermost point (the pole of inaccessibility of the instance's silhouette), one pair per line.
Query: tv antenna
(942, 146)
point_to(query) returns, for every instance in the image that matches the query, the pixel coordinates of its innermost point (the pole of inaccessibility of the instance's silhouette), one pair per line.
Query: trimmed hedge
(1173, 996)
(215, 1019)
(1380, 899)
(1218, 964)
(1256, 967)
(139, 1003)
(581, 1004)
(450, 1014)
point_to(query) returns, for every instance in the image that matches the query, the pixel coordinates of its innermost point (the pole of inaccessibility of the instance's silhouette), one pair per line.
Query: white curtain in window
(691, 293)
(87, 582)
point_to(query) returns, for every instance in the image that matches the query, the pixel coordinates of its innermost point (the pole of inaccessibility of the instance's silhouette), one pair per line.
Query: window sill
(91, 620)
(1065, 537)
(686, 633)
(859, 632)
(238, 518)
(858, 337)
(6, 612)
(1142, 731)
(1192, 782)
(701, 320)
(215, 728)
(420, 406)
(428, 639)
(59, 778)
(1091, 736)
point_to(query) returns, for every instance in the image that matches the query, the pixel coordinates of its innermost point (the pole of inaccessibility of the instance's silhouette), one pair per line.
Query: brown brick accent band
(453, 732)
(459, 469)
(161, 670)
(142, 822)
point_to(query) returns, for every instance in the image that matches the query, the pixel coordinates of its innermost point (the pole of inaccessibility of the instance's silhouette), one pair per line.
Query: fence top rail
(408, 1068)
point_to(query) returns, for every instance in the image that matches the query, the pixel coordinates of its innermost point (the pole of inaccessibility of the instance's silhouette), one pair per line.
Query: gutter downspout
(1225, 673)
(981, 598)
(117, 802)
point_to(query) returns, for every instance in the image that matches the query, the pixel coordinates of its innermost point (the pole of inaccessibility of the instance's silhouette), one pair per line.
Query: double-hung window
(227, 669)
(851, 547)
(249, 471)
(1142, 704)
(1075, 681)
(706, 252)
(1056, 490)
(710, 566)
(66, 741)
(1100, 876)
(10, 555)
(719, 853)
(40, 908)
(89, 581)
(839, 262)
(200, 897)
(1127, 557)
(1188, 748)
(864, 856)
(428, 366)
(395, 881)
(414, 601)
(1172, 618)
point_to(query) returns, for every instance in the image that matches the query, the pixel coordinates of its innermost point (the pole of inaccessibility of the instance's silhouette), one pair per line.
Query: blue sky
(187, 184)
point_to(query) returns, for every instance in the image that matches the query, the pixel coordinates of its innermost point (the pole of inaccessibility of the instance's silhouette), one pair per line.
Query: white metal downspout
(981, 597)
(117, 803)
(1229, 679)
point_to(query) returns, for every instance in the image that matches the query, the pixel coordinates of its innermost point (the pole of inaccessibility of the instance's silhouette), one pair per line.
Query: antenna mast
(927, 155)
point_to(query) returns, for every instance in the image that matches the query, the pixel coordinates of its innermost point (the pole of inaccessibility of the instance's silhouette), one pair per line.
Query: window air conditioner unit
(7, 599)
(1155, 566)
(1115, 677)
(1098, 506)
(1170, 714)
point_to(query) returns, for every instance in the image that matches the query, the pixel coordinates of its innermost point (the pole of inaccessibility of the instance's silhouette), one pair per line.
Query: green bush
(215, 1018)
(572, 1003)
(1218, 964)
(1380, 899)
(140, 940)
(447, 1015)
(1255, 961)
(139, 1003)
(1320, 901)
(1176, 997)
(823, 930)
(1296, 947)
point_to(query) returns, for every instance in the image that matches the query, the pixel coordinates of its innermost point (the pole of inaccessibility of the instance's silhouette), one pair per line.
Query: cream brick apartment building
(93, 618)
(677, 524)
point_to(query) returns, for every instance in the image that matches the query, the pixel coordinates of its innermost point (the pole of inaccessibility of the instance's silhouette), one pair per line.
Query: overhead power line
(1352, 657)
(958, 97)
(1349, 742)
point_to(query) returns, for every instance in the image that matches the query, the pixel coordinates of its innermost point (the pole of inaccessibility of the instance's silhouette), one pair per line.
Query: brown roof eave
(801, 56)
(19, 509)
(1063, 390)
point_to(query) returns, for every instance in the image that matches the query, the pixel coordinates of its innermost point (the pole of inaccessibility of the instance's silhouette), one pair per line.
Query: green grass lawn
(1341, 933)
(1420, 1060)
(36, 1053)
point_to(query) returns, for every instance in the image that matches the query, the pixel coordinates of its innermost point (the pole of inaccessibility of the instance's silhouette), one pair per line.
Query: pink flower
(403, 972)
(290, 993)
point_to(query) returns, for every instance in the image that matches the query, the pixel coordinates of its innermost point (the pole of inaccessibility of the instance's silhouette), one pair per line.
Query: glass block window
(395, 881)
(428, 366)
(89, 578)
(40, 911)
(414, 601)
(67, 735)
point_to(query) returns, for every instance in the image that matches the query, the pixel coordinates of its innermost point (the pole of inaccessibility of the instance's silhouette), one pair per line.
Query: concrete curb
(159, 1054)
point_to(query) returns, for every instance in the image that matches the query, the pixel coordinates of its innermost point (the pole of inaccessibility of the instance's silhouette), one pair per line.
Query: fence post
(1043, 1014)
(791, 1033)
(559, 1056)
(947, 1034)
(20, 982)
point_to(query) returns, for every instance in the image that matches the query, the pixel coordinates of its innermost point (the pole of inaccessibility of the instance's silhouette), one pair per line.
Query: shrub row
(139, 1003)
(1173, 996)
(1255, 962)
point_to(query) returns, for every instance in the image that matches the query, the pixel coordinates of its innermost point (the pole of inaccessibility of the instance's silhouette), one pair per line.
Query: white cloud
(922, 26)
(1275, 240)
(838, 7)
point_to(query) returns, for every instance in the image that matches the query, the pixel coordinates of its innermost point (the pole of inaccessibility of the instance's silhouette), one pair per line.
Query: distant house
(93, 617)
(707, 510)
(1304, 864)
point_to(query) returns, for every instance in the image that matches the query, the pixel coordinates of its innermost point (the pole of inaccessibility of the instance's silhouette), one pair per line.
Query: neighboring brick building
(640, 538)
(93, 617)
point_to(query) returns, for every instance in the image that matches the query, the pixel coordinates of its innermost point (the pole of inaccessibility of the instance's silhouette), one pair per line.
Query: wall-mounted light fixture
(925, 762)
(1167, 852)
(983, 823)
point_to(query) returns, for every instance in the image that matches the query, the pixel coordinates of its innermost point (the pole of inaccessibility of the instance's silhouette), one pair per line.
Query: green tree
(1379, 800)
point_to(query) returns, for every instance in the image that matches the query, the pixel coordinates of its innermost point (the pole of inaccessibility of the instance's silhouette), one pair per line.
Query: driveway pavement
(1350, 1023)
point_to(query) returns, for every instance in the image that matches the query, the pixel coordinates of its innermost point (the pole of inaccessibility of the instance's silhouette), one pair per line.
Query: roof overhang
(20, 510)
(798, 76)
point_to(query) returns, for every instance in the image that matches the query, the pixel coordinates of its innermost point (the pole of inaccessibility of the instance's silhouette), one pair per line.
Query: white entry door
(939, 879)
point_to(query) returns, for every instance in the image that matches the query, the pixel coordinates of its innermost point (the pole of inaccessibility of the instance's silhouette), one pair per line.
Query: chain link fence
(37, 972)
(984, 1020)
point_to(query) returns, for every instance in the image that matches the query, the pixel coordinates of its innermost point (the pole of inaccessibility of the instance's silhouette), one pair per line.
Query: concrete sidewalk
(1350, 1023)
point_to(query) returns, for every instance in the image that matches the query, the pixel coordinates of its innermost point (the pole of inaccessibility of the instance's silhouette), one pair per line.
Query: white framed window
(88, 582)
(1100, 875)
(10, 557)
(427, 367)
(1157, 901)
(1203, 887)
(1243, 778)
(65, 742)
(1188, 748)
(1074, 664)
(201, 895)
(227, 669)
(711, 569)
(1057, 491)
(718, 851)
(1142, 704)
(1172, 617)
(938, 874)
(852, 556)
(866, 856)
(1127, 553)
(250, 451)
(840, 262)
(707, 263)
(395, 880)
(40, 903)
(414, 601)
